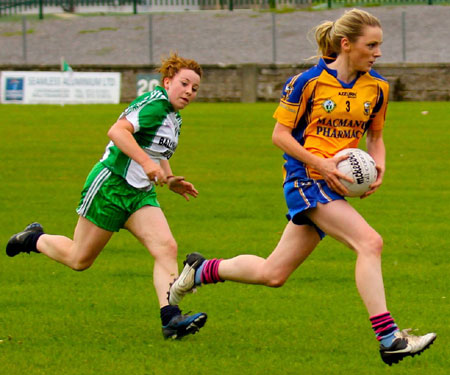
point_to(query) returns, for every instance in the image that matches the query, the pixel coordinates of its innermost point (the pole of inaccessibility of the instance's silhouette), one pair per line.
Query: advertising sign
(14, 89)
(147, 82)
(60, 87)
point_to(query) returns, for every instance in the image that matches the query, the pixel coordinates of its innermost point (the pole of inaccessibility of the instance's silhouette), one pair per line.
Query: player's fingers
(375, 185)
(367, 193)
(193, 192)
(335, 185)
(340, 158)
(159, 180)
(342, 176)
(340, 188)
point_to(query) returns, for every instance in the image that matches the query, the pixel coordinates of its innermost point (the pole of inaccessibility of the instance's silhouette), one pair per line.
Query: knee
(275, 283)
(172, 248)
(80, 265)
(167, 249)
(274, 279)
(80, 261)
(372, 245)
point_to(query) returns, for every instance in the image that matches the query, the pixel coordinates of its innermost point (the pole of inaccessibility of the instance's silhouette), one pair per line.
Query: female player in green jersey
(322, 111)
(120, 191)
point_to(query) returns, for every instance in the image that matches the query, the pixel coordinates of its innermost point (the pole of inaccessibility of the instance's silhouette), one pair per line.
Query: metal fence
(13, 7)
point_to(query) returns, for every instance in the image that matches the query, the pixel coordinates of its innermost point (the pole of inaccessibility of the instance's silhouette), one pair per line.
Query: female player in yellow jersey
(322, 111)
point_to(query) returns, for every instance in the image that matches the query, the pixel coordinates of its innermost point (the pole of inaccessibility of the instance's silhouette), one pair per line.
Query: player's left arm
(177, 183)
(376, 149)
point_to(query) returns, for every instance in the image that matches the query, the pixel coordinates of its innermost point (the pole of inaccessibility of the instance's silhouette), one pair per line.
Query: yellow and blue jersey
(327, 115)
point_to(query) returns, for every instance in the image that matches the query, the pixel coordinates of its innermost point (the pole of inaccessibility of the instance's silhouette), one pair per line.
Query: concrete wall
(251, 83)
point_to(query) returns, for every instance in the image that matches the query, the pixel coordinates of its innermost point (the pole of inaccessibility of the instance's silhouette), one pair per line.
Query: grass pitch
(106, 320)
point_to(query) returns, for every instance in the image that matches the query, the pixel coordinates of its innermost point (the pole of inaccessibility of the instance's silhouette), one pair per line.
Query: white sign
(60, 87)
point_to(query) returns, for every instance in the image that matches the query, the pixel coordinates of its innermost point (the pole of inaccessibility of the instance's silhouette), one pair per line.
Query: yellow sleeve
(293, 102)
(287, 114)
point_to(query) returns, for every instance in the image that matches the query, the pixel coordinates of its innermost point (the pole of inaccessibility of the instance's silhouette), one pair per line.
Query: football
(359, 166)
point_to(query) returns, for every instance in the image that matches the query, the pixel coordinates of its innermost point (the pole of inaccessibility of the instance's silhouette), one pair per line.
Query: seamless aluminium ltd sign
(60, 87)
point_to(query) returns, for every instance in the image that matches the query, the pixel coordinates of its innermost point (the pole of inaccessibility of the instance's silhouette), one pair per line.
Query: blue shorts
(302, 195)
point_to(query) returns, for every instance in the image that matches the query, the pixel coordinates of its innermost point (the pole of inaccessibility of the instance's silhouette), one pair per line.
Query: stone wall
(251, 83)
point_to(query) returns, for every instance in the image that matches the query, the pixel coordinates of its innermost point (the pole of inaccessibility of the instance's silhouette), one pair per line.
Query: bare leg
(295, 245)
(150, 227)
(341, 221)
(79, 253)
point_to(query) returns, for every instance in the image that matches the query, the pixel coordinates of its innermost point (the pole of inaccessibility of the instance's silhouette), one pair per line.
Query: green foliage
(106, 320)
(16, 33)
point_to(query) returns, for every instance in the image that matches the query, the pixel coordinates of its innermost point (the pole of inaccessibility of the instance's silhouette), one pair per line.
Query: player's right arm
(121, 133)
(282, 138)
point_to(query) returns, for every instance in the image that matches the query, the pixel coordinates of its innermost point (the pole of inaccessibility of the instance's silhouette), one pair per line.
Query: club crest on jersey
(288, 91)
(367, 108)
(328, 105)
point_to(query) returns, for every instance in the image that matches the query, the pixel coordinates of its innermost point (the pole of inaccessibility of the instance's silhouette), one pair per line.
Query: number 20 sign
(147, 82)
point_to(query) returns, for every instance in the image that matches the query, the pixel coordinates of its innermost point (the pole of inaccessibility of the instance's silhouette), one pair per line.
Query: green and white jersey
(156, 130)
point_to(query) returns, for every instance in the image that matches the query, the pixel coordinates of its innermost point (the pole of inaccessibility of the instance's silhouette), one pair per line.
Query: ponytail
(350, 25)
(323, 38)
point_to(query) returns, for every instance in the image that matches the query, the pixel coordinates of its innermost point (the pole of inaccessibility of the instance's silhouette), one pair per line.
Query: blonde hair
(171, 65)
(350, 25)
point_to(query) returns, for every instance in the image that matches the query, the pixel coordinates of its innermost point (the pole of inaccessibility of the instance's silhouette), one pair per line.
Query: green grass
(16, 33)
(106, 320)
(98, 30)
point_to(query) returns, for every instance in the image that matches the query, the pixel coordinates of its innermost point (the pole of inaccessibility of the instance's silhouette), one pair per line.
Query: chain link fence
(413, 34)
(41, 7)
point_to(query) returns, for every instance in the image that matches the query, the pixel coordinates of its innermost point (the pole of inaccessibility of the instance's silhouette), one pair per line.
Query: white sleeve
(133, 117)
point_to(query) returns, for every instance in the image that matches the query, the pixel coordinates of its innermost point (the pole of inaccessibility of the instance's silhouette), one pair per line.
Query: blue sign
(14, 89)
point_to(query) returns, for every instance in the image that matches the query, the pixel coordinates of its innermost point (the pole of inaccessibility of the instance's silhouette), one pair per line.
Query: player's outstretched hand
(178, 185)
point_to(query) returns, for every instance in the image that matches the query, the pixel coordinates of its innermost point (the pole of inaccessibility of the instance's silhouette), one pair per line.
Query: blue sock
(198, 274)
(384, 327)
(386, 341)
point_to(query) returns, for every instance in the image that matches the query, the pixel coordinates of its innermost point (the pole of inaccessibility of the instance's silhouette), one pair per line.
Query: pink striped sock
(384, 326)
(210, 271)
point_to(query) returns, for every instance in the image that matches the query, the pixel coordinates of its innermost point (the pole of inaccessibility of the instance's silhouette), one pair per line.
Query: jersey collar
(323, 61)
(163, 90)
